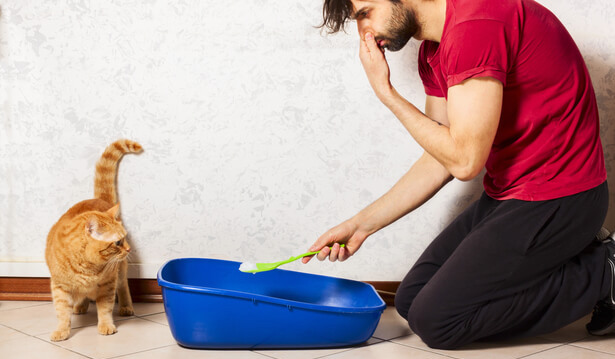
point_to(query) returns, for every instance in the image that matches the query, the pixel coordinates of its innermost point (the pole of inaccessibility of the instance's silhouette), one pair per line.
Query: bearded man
(507, 90)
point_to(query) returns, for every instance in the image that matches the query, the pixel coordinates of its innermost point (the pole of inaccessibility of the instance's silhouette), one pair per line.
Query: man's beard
(400, 29)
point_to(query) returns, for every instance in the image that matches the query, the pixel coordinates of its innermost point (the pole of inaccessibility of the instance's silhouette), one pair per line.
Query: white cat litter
(247, 266)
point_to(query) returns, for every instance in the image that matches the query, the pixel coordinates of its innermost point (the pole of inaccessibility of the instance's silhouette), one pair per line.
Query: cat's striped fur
(106, 169)
(87, 249)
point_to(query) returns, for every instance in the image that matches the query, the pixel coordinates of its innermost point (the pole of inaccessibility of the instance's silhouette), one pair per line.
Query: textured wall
(259, 133)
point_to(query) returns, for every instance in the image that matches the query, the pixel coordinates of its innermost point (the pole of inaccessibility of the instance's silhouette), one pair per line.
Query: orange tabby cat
(87, 249)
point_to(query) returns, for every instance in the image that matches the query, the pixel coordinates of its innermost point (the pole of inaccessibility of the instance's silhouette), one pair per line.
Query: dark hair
(334, 14)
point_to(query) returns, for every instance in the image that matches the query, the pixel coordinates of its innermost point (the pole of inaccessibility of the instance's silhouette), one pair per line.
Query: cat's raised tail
(106, 169)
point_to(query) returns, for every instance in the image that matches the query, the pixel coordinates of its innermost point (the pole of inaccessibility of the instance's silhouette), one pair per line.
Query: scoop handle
(312, 253)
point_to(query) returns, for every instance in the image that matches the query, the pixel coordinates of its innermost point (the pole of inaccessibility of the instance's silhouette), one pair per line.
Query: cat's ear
(91, 226)
(115, 212)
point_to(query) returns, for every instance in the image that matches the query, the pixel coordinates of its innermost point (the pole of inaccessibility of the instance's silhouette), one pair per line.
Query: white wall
(259, 133)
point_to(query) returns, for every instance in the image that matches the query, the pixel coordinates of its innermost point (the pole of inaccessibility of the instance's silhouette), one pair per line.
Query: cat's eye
(118, 243)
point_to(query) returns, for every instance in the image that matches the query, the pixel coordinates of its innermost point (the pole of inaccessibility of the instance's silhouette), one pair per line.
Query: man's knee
(402, 304)
(422, 320)
(426, 322)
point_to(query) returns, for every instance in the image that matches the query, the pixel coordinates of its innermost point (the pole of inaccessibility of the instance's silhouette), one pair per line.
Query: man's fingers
(369, 51)
(343, 255)
(372, 45)
(329, 244)
(336, 253)
(370, 42)
(363, 46)
(321, 242)
(324, 253)
(335, 250)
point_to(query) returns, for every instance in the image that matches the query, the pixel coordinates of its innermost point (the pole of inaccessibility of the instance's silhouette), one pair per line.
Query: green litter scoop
(248, 267)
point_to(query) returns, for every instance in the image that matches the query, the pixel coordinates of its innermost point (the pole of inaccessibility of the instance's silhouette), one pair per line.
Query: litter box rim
(266, 299)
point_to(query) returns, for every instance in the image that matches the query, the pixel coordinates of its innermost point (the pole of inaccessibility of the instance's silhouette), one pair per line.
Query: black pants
(507, 269)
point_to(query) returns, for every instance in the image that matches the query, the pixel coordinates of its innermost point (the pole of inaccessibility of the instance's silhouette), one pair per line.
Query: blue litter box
(210, 304)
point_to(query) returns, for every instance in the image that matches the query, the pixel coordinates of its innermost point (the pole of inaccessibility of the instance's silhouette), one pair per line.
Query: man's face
(391, 23)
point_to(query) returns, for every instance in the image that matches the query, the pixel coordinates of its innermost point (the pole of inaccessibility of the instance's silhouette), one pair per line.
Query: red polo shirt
(547, 144)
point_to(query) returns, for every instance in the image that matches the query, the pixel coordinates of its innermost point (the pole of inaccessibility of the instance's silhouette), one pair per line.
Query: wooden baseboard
(386, 290)
(18, 288)
(142, 290)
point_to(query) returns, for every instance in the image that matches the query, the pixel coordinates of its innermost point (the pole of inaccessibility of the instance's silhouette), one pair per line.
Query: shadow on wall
(602, 70)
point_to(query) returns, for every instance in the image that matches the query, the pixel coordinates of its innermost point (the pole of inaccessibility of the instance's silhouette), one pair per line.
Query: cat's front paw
(59, 335)
(126, 311)
(107, 329)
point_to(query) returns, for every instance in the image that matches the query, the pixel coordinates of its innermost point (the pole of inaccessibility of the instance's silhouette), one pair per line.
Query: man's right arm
(424, 179)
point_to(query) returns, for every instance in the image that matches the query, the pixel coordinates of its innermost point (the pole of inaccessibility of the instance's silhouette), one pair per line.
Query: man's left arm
(473, 110)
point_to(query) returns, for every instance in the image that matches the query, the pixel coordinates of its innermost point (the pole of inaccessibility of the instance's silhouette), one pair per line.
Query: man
(507, 90)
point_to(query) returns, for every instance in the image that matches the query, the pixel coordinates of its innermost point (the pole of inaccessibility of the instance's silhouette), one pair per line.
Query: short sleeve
(476, 48)
(426, 71)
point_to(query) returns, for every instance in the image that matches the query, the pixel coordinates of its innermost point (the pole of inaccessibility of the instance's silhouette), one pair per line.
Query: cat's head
(106, 234)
